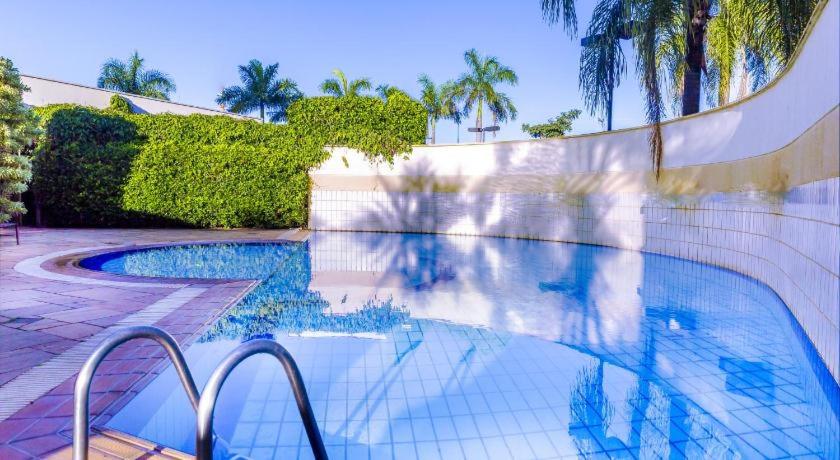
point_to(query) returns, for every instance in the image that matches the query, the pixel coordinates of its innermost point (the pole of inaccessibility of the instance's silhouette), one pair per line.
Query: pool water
(433, 346)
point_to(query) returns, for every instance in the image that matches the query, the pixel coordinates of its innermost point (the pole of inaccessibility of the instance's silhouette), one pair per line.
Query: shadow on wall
(512, 200)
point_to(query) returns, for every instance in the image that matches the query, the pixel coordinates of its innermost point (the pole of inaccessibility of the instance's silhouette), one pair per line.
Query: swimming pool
(434, 346)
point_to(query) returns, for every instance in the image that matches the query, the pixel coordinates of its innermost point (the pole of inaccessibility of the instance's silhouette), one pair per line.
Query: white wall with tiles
(789, 241)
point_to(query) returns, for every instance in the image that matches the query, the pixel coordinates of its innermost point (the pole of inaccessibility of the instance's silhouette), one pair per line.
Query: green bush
(81, 162)
(222, 185)
(379, 129)
(119, 104)
(107, 168)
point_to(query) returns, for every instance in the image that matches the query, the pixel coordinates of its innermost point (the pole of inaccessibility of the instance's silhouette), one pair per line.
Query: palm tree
(602, 62)
(261, 89)
(452, 95)
(439, 101)
(502, 109)
(674, 34)
(130, 77)
(340, 86)
(479, 87)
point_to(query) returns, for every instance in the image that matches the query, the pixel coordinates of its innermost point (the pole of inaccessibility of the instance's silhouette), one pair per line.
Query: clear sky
(199, 44)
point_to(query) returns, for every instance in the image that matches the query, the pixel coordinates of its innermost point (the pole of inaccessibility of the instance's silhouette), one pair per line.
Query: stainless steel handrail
(207, 402)
(81, 409)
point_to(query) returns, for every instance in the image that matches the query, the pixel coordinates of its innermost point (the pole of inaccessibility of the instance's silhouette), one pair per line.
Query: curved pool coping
(66, 266)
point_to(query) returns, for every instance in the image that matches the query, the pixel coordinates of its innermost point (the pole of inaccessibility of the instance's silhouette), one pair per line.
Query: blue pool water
(424, 346)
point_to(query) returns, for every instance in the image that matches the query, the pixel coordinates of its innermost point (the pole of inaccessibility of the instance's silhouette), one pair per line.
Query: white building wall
(43, 91)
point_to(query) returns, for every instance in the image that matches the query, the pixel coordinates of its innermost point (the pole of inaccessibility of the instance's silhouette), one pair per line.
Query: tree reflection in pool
(512, 348)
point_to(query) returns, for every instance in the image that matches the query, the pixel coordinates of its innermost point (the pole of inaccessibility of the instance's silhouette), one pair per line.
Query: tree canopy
(556, 127)
(261, 89)
(341, 86)
(132, 77)
(480, 87)
(17, 129)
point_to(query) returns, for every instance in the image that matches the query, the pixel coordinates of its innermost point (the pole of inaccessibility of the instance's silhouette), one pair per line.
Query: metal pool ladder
(203, 403)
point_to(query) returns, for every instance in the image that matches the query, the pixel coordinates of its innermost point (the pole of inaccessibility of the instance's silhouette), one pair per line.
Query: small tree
(341, 86)
(479, 86)
(17, 129)
(132, 77)
(262, 89)
(556, 127)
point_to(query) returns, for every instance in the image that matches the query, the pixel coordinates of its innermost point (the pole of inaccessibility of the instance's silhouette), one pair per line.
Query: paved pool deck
(52, 314)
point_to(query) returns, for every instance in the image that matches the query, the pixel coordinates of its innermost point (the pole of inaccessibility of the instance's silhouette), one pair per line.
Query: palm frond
(332, 87)
(555, 11)
(652, 14)
(602, 61)
(356, 87)
(131, 77)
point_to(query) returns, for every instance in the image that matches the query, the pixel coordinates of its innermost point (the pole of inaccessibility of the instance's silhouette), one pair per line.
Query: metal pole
(81, 410)
(207, 404)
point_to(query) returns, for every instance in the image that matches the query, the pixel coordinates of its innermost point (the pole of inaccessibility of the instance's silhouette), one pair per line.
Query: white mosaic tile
(789, 241)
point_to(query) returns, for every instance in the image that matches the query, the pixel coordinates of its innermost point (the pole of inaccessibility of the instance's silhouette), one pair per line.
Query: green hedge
(380, 129)
(80, 166)
(110, 168)
(220, 186)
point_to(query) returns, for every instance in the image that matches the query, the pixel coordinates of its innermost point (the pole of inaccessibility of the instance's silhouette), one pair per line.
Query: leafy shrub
(556, 127)
(222, 185)
(208, 130)
(81, 162)
(379, 129)
(107, 168)
(119, 104)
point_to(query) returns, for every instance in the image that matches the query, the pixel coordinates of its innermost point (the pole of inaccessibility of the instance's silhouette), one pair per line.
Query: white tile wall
(789, 241)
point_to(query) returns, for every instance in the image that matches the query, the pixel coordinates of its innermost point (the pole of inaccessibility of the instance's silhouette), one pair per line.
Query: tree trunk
(262, 112)
(698, 15)
(495, 123)
(478, 134)
(743, 88)
(433, 131)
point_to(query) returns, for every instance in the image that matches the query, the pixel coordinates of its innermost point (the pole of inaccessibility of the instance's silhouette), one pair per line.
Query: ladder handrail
(81, 409)
(207, 401)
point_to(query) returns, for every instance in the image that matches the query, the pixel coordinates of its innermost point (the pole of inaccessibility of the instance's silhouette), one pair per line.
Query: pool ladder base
(203, 403)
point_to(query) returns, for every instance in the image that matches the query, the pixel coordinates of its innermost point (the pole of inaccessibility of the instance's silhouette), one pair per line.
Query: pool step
(111, 444)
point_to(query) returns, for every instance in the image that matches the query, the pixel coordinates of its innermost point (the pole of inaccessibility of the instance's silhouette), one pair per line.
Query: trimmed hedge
(109, 168)
(379, 129)
(80, 165)
(220, 186)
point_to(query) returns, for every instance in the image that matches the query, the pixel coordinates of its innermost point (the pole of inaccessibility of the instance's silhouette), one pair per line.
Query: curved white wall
(752, 186)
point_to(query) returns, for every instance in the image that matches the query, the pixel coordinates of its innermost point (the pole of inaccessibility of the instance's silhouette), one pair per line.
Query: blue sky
(199, 44)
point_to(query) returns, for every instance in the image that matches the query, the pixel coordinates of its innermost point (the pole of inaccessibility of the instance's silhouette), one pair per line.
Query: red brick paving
(41, 318)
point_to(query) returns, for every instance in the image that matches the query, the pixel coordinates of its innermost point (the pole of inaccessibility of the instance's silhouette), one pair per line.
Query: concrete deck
(52, 314)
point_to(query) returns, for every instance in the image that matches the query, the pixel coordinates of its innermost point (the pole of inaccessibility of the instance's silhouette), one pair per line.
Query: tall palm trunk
(479, 134)
(432, 122)
(697, 12)
(743, 87)
(262, 112)
(495, 122)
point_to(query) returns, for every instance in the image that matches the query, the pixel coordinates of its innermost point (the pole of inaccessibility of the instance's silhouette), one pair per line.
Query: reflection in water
(310, 314)
(646, 356)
